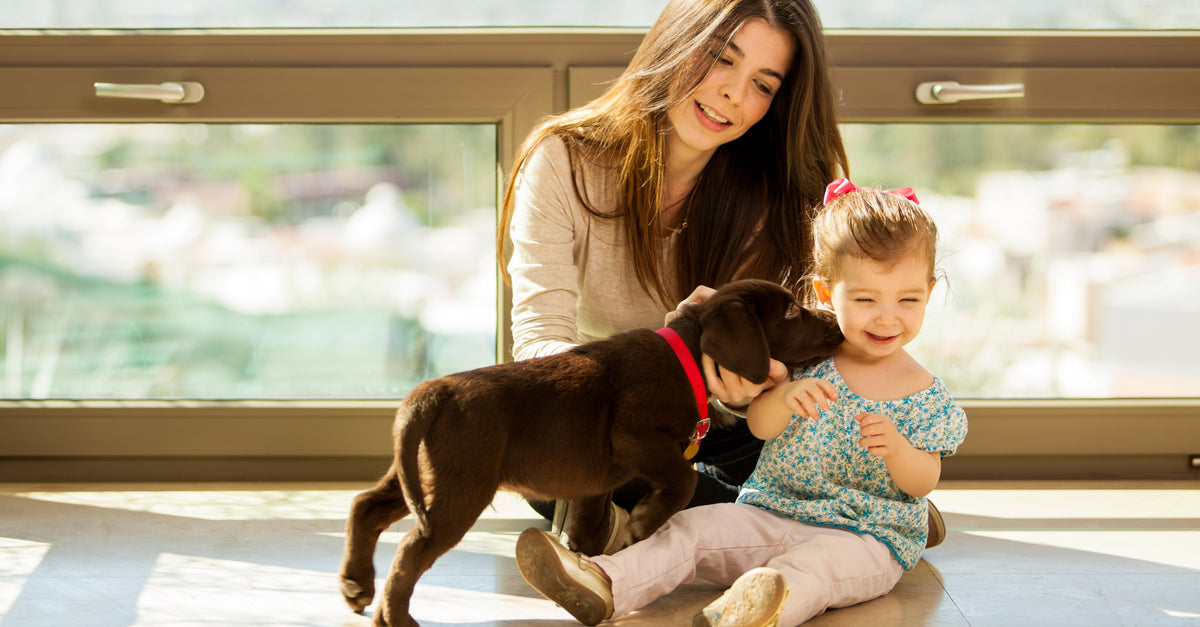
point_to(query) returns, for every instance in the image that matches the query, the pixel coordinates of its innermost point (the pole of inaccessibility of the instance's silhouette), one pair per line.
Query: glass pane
(1072, 254)
(1011, 15)
(244, 261)
(887, 14)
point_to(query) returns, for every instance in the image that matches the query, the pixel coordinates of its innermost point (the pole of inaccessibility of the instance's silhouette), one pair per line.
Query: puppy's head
(745, 323)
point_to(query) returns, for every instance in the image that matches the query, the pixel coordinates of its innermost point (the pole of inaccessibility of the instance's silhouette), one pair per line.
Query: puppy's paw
(357, 597)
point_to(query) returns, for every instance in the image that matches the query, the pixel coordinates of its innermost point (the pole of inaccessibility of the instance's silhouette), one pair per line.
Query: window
(879, 14)
(1047, 225)
(1069, 251)
(219, 261)
(1096, 103)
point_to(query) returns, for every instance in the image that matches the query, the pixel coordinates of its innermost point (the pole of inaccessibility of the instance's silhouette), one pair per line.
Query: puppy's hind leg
(372, 512)
(449, 516)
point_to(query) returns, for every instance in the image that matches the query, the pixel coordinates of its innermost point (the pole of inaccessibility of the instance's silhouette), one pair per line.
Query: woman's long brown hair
(748, 214)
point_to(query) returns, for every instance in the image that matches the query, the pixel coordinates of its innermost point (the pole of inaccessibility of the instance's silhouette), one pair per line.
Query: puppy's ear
(804, 338)
(732, 335)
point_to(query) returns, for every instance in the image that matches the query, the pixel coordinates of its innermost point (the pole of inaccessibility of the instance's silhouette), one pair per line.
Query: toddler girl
(835, 510)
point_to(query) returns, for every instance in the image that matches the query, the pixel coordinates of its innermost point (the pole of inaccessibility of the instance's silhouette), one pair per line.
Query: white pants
(824, 567)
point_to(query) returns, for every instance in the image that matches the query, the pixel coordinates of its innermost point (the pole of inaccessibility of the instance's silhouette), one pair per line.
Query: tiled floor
(267, 555)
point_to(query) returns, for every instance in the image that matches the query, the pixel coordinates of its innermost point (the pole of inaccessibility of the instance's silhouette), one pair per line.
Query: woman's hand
(727, 386)
(731, 389)
(698, 295)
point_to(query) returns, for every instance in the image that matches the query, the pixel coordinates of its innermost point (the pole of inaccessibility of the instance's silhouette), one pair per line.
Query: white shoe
(619, 535)
(563, 576)
(754, 600)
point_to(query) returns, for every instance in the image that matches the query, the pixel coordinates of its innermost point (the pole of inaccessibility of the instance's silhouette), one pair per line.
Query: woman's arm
(545, 277)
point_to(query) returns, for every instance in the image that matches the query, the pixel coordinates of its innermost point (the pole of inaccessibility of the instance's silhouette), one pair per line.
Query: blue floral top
(816, 472)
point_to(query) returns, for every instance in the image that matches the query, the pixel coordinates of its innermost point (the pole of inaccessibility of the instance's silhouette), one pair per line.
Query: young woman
(701, 164)
(835, 512)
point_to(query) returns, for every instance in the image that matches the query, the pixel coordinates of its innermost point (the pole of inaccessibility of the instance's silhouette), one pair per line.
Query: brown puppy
(570, 426)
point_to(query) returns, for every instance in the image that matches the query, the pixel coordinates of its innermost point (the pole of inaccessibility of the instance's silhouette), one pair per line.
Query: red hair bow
(844, 186)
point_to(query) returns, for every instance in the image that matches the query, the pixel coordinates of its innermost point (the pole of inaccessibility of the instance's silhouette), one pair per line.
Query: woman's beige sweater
(572, 277)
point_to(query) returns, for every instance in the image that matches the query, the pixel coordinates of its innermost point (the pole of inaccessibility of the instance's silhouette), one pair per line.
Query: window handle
(186, 92)
(945, 92)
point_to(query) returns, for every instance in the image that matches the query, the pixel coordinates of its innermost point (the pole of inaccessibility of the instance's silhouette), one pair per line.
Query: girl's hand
(807, 397)
(878, 434)
(698, 295)
(731, 388)
(913, 470)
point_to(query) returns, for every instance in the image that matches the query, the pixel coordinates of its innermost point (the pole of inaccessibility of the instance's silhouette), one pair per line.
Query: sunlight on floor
(267, 555)
(233, 503)
(18, 560)
(1145, 521)
(1037, 501)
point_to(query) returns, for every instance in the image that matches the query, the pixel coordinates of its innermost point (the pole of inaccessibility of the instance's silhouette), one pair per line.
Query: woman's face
(735, 94)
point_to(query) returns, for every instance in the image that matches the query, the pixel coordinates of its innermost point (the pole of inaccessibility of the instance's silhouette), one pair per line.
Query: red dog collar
(696, 379)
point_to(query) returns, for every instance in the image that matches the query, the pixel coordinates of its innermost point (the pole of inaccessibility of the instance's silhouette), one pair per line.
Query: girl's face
(880, 307)
(735, 94)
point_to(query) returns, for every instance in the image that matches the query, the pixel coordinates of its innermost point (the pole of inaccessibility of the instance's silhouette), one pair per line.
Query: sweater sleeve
(544, 268)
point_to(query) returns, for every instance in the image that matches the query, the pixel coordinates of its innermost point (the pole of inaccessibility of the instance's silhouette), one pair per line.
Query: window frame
(512, 78)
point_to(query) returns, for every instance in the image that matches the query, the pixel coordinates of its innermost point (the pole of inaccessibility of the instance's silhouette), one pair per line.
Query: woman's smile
(711, 118)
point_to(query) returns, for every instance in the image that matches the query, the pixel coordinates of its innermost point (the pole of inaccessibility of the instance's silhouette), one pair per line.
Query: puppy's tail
(413, 420)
